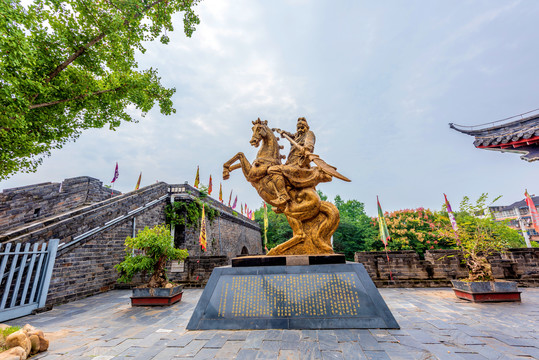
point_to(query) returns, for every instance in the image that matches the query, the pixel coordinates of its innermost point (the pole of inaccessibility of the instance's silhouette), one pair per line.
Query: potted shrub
(148, 253)
(477, 237)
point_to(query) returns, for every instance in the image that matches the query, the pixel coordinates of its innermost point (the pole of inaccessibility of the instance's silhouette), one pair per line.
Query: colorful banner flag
(265, 227)
(197, 179)
(221, 193)
(452, 218)
(138, 182)
(230, 198)
(241, 208)
(210, 187)
(384, 233)
(202, 237)
(252, 217)
(116, 173)
(533, 211)
(235, 202)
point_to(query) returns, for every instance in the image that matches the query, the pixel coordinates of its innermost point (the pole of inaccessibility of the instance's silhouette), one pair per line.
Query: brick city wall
(230, 234)
(66, 226)
(87, 267)
(21, 205)
(441, 266)
(196, 270)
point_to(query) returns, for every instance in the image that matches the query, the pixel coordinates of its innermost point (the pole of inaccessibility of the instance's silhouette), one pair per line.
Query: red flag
(197, 179)
(138, 182)
(221, 193)
(533, 211)
(230, 198)
(235, 202)
(116, 173)
(210, 187)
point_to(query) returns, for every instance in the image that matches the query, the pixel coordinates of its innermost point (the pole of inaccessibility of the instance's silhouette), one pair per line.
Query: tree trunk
(159, 276)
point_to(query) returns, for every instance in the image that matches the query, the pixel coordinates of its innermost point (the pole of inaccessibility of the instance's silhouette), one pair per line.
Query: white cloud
(378, 82)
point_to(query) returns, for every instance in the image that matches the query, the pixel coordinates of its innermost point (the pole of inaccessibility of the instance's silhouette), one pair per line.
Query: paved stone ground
(434, 325)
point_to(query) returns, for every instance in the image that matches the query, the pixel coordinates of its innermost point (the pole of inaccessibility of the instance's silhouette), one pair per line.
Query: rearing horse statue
(312, 220)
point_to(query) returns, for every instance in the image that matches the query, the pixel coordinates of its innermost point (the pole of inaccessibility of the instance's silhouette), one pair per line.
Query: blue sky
(378, 82)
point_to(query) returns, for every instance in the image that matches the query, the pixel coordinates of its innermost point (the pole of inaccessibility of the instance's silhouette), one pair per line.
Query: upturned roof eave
(491, 129)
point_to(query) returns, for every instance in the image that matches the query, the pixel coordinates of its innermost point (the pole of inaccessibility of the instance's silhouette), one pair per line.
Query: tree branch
(75, 98)
(72, 58)
(83, 48)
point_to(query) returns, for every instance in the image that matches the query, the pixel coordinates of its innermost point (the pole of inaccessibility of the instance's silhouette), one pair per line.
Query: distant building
(513, 212)
(519, 136)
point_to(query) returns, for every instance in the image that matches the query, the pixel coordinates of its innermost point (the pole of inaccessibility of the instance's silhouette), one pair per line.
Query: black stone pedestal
(331, 296)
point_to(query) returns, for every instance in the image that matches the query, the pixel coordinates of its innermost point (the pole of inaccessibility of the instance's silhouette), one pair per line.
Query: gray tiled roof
(503, 135)
(518, 204)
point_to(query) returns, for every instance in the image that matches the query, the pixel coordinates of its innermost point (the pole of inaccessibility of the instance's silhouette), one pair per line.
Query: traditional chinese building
(507, 135)
(515, 211)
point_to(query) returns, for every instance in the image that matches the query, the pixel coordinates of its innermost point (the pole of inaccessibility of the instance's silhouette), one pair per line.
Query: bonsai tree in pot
(148, 253)
(477, 237)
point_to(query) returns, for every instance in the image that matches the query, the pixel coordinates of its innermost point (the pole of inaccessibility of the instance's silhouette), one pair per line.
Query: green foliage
(279, 230)
(414, 229)
(148, 253)
(356, 231)
(67, 66)
(9, 330)
(188, 213)
(4, 333)
(479, 236)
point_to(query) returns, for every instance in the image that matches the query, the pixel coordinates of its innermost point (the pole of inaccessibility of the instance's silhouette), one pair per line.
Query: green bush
(148, 253)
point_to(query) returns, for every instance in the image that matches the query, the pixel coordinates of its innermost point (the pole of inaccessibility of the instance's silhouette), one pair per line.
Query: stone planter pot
(156, 296)
(486, 291)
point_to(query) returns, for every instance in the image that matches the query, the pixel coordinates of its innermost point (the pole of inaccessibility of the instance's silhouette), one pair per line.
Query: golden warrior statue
(290, 187)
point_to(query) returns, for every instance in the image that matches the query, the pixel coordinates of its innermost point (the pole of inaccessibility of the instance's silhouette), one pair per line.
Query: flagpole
(523, 228)
(384, 234)
(388, 264)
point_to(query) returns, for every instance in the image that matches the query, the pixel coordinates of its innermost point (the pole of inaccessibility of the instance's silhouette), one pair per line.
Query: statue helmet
(303, 121)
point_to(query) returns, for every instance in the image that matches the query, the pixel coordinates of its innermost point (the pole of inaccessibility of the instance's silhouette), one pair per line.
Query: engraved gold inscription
(290, 295)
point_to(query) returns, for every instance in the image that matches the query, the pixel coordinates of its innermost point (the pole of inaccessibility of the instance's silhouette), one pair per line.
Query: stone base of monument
(311, 292)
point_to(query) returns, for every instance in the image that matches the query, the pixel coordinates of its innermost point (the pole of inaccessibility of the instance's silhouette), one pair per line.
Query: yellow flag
(202, 237)
(138, 182)
(197, 179)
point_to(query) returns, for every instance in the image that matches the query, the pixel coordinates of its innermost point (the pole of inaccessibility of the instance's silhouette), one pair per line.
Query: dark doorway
(179, 237)
(244, 251)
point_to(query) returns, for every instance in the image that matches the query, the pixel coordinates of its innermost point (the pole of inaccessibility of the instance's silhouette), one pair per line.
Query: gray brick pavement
(434, 325)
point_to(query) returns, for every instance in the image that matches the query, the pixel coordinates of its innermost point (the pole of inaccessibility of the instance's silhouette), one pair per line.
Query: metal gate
(25, 276)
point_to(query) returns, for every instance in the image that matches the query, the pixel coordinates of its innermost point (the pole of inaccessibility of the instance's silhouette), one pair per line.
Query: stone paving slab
(434, 325)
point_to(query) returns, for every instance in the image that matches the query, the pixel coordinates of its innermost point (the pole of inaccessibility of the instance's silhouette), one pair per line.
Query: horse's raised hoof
(226, 174)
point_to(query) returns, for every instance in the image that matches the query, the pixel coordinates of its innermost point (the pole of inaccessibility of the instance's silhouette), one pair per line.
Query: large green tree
(356, 231)
(66, 66)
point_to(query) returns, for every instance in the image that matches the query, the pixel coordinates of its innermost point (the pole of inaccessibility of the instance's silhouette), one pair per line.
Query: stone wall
(92, 234)
(441, 266)
(67, 225)
(230, 234)
(21, 205)
(196, 270)
(87, 267)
